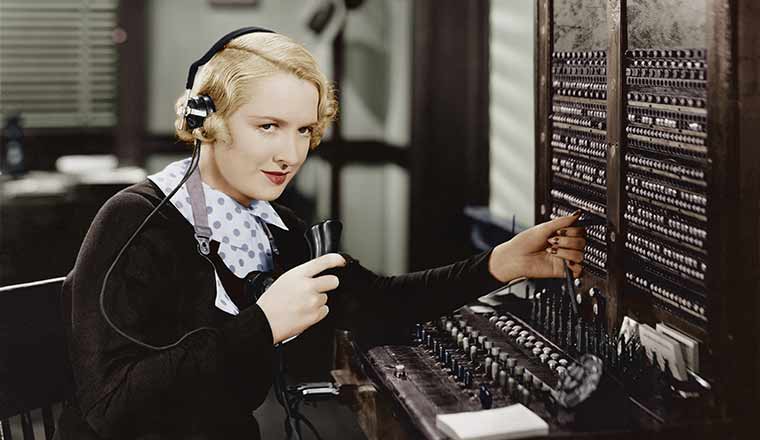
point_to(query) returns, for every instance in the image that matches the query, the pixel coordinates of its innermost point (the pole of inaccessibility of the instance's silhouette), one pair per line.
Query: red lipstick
(276, 177)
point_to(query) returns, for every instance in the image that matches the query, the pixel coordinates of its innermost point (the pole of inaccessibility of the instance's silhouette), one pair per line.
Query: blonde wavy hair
(228, 76)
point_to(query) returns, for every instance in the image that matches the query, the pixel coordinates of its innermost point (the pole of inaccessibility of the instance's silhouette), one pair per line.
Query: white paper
(481, 309)
(665, 347)
(511, 422)
(490, 300)
(689, 345)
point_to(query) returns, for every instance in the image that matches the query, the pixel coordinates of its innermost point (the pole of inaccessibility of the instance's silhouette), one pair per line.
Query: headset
(198, 108)
(194, 113)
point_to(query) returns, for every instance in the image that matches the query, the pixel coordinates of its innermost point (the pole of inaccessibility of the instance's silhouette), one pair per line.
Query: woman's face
(270, 138)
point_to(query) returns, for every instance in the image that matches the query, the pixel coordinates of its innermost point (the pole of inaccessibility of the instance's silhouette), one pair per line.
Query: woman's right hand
(296, 300)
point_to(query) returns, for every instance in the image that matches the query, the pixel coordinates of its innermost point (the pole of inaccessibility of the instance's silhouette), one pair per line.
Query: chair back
(34, 368)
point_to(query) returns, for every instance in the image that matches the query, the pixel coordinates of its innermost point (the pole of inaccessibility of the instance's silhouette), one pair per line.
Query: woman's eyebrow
(270, 118)
(280, 121)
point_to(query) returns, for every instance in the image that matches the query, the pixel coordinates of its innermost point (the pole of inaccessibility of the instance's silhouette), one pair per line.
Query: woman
(172, 344)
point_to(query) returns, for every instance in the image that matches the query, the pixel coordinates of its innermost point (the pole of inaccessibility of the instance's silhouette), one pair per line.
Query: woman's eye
(305, 130)
(267, 127)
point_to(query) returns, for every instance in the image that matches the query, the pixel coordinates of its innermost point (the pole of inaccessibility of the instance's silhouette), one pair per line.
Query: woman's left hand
(538, 252)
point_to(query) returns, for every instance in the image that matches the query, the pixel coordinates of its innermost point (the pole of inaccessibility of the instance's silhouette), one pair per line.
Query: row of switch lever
(469, 356)
(578, 143)
(592, 111)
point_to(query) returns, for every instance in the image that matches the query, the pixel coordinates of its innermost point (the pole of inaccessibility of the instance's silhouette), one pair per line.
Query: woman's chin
(269, 195)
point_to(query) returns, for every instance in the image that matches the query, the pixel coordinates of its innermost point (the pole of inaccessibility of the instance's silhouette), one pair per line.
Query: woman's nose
(288, 153)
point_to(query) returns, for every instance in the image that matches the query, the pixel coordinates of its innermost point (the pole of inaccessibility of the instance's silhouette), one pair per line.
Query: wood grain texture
(733, 103)
(543, 92)
(449, 156)
(616, 115)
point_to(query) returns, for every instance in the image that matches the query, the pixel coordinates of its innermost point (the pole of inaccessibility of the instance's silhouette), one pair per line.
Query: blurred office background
(435, 133)
(436, 115)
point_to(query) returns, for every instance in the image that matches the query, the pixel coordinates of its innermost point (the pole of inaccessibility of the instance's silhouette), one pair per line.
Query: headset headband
(216, 48)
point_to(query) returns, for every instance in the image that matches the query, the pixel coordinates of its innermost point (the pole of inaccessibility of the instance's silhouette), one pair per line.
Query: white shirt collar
(243, 244)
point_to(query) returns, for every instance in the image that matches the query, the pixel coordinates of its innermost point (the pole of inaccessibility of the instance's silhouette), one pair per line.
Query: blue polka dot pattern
(241, 253)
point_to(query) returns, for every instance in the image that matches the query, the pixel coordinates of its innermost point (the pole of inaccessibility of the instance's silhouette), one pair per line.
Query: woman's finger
(320, 264)
(571, 232)
(323, 311)
(568, 242)
(560, 222)
(321, 299)
(576, 269)
(575, 256)
(325, 283)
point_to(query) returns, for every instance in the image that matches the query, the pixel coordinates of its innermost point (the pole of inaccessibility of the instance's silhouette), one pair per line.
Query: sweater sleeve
(123, 387)
(370, 304)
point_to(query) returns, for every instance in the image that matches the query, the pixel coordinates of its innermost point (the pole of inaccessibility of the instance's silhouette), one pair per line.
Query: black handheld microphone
(324, 238)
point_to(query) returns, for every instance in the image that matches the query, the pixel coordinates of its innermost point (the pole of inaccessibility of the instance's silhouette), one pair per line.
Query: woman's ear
(214, 130)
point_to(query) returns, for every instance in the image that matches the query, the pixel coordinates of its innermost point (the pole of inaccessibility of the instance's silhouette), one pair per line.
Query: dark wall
(449, 152)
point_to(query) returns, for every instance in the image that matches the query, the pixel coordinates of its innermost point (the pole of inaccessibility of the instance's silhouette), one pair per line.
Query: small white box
(510, 422)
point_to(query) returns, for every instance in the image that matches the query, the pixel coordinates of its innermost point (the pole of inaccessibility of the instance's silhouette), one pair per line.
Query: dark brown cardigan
(207, 386)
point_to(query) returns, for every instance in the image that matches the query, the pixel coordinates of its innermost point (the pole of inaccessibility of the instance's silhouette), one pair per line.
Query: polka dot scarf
(243, 243)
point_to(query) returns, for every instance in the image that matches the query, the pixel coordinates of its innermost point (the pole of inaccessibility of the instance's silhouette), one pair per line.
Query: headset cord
(195, 159)
(281, 393)
(293, 416)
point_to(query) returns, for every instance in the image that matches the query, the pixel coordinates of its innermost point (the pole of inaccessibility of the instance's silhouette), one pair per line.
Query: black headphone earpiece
(198, 108)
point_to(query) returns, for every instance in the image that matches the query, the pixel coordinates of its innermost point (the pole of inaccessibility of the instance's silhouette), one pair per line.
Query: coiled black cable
(291, 404)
